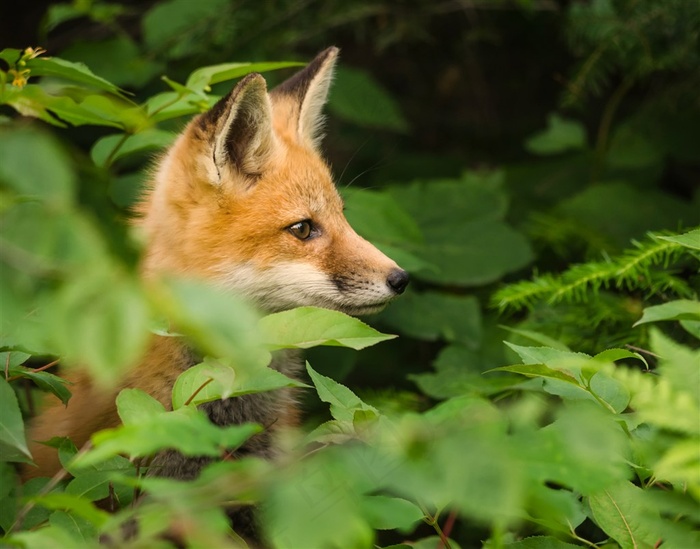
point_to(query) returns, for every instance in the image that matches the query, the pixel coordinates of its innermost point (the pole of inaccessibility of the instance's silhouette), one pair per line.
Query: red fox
(244, 199)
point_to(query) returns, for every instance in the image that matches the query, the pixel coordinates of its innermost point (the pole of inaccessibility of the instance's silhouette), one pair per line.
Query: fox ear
(240, 128)
(308, 89)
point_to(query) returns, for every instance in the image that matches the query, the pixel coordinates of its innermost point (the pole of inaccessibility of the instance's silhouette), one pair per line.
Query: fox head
(244, 198)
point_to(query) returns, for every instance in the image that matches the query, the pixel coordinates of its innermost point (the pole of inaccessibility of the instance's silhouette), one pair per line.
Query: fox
(244, 199)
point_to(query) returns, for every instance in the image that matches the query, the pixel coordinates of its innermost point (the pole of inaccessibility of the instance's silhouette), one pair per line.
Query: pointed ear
(239, 127)
(308, 89)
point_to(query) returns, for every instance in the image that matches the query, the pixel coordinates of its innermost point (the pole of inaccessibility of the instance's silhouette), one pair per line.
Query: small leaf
(540, 542)
(538, 370)
(228, 379)
(344, 403)
(135, 406)
(306, 327)
(620, 511)
(358, 98)
(388, 513)
(13, 444)
(75, 72)
(690, 239)
(546, 355)
(561, 135)
(75, 504)
(611, 391)
(202, 78)
(681, 309)
(148, 140)
(78, 527)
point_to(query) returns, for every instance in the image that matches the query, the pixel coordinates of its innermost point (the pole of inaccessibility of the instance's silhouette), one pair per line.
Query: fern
(636, 269)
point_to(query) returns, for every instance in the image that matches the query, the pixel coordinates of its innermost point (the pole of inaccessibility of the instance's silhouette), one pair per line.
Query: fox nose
(398, 280)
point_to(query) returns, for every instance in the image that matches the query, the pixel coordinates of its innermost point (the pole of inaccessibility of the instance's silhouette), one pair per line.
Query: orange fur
(220, 207)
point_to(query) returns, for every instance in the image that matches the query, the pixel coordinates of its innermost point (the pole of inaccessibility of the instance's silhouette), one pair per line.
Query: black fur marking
(298, 84)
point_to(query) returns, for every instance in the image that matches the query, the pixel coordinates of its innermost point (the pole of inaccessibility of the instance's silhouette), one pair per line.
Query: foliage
(582, 430)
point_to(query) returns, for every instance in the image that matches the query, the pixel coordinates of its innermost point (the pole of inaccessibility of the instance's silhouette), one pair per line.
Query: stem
(202, 386)
(433, 521)
(58, 477)
(611, 107)
(33, 370)
(116, 148)
(574, 535)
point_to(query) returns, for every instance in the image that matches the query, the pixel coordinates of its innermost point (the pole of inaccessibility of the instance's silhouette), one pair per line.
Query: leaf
(547, 355)
(611, 391)
(537, 337)
(13, 444)
(613, 355)
(186, 430)
(690, 239)
(539, 370)
(621, 513)
(113, 147)
(167, 24)
(540, 542)
(560, 136)
(135, 406)
(377, 216)
(74, 72)
(78, 527)
(681, 309)
(46, 176)
(45, 381)
(388, 513)
(358, 98)
(201, 79)
(344, 403)
(75, 504)
(306, 327)
(221, 323)
(221, 379)
(432, 315)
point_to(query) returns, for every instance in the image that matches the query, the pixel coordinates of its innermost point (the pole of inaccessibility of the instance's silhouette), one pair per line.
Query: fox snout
(398, 280)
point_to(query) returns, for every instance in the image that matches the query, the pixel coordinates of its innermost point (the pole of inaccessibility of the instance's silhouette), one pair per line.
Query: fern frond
(636, 269)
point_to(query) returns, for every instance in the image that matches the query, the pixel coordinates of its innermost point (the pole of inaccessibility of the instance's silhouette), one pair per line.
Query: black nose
(398, 280)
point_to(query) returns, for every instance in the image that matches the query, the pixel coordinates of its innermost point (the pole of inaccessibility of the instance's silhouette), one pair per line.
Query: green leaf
(306, 327)
(75, 504)
(613, 355)
(611, 391)
(690, 239)
(539, 370)
(106, 330)
(358, 98)
(81, 529)
(560, 136)
(540, 542)
(221, 323)
(46, 175)
(621, 513)
(378, 217)
(74, 72)
(135, 406)
(537, 337)
(13, 444)
(681, 309)
(228, 379)
(388, 513)
(186, 430)
(432, 315)
(45, 381)
(113, 147)
(547, 355)
(344, 403)
(201, 79)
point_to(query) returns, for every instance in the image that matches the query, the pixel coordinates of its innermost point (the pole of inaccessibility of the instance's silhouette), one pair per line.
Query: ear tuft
(309, 88)
(240, 127)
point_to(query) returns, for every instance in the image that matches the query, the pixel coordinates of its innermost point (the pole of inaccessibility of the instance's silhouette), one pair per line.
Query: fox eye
(302, 229)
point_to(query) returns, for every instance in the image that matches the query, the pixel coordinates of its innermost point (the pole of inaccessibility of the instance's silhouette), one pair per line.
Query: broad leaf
(620, 511)
(13, 444)
(388, 513)
(135, 406)
(690, 239)
(344, 403)
(113, 147)
(306, 327)
(220, 379)
(201, 79)
(681, 309)
(560, 136)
